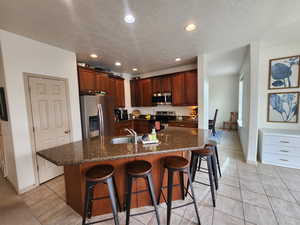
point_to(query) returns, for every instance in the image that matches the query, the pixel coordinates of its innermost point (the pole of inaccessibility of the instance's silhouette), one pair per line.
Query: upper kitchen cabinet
(161, 85)
(145, 89)
(178, 89)
(102, 82)
(87, 79)
(141, 92)
(120, 93)
(184, 89)
(191, 88)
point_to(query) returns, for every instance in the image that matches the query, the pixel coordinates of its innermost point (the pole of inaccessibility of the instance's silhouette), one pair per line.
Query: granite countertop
(100, 148)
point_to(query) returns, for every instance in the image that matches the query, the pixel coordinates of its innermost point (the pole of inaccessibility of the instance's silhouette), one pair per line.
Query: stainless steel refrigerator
(97, 115)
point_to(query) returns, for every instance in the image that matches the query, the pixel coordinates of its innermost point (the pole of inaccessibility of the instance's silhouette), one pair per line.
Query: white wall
(267, 53)
(21, 55)
(203, 92)
(223, 95)
(8, 157)
(179, 110)
(243, 129)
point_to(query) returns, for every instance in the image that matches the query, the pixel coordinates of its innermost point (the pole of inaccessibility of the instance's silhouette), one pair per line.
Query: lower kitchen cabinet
(187, 124)
(121, 125)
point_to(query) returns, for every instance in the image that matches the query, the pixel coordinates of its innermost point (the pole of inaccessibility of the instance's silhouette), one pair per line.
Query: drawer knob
(284, 142)
(284, 150)
(284, 160)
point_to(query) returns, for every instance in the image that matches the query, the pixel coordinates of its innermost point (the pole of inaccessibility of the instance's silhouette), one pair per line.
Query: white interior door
(50, 121)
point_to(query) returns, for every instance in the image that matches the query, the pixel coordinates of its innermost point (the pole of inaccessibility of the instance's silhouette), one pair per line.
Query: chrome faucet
(133, 133)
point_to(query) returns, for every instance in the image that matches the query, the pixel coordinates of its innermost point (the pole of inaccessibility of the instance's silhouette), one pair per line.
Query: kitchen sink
(124, 140)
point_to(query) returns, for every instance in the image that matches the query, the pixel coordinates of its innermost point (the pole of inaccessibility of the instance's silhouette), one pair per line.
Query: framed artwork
(283, 107)
(284, 73)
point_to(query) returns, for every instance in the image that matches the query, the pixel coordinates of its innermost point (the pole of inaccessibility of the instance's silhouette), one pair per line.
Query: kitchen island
(77, 157)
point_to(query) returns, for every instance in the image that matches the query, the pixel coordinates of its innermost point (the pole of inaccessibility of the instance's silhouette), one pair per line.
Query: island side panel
(75, 183)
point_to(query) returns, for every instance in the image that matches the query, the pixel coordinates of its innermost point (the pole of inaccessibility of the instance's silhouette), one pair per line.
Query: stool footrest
(100, 198)
(199, 182)
(99, 221)
(142, 213)
(183, 205)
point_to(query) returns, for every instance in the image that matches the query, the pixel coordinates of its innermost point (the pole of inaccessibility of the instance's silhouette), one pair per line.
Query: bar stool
(213, 145)
(100, 174)
(208, 155)
(140, 169)
(181, 165)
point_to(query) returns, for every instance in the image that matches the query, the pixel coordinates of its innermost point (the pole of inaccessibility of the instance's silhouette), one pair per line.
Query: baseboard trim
(22, 191)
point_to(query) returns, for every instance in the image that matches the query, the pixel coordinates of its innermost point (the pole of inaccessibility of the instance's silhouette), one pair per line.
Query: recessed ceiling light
(135, 69)
(178, 59)
(190, 27)
(118, 64)
(94, 56)
(129, 18)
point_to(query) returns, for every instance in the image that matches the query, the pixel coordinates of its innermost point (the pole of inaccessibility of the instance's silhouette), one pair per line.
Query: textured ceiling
(157, 37)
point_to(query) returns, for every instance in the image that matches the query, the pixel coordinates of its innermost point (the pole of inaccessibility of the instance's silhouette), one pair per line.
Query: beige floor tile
(232, 181)
(13, 210)
(230, 206)
(256, 199)
(230, 192)
(292, 184)
(270, 180)
(221, 218)
(267, 170)
(285, 220)
(259, 216)
(249, 176)
(279, 192)
(296, 195)
(285, 208)
(253, 186)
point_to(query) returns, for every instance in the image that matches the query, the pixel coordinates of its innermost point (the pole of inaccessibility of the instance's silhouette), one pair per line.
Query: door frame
(26, 77)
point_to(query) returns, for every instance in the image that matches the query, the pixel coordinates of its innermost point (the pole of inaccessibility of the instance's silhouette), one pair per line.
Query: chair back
(233, 116)
(215, 117)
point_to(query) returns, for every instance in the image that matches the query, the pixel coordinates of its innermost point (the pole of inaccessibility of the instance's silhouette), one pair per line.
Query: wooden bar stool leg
(170, 195)
(193, 170)
(211, 181)
(194, 197)
(89, 192)
(161, 186)
(152, 196)
(128, 199)
(113, 199)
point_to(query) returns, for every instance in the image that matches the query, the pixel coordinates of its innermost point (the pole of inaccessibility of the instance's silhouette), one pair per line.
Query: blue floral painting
(283, 107)
(284, 73)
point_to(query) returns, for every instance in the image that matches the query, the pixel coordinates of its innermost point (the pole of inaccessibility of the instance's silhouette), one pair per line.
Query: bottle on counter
(153, 136)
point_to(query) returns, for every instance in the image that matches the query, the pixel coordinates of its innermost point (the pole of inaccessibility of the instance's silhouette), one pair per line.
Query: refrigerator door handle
(101, 121)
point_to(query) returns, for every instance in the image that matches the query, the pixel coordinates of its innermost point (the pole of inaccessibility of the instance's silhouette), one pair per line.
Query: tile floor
(248, 195)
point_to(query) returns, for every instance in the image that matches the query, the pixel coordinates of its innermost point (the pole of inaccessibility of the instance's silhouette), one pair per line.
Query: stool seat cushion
(176, 162)
(99, 173)
(204, 152)
(138, 168)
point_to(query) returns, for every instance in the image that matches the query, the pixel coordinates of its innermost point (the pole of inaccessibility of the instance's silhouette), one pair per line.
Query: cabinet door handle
(284, 142)
(284, 160)
(284, 150)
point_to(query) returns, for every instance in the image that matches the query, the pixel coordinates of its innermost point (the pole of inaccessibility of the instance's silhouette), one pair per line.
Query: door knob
(67, 131)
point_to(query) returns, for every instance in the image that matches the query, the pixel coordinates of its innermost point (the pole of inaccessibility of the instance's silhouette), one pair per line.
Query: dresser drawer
(281, 140)
(281, 149)
(281, 160)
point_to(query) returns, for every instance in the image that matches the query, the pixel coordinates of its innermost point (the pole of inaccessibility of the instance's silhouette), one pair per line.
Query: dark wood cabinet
(121, 125)
(87, 78)
(191, 88)
(161, 85)
(187, 124)
(178, 90)
(185, 89)
(141, 92)
(135, 98)
(102, 82)
(182, 85)
(120, 93)
(145, 90)
(142, 126)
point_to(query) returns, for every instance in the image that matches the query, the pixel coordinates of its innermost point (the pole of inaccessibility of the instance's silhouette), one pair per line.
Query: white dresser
(280, 147)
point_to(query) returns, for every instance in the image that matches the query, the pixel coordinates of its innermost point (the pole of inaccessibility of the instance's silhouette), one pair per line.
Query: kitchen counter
(100, 149)
(78, 157)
